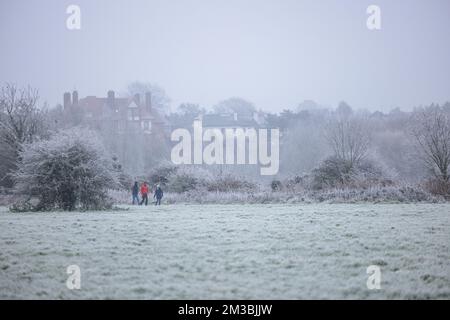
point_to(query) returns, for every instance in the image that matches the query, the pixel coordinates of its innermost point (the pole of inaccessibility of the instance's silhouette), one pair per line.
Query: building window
(147, 125)
(133, 114)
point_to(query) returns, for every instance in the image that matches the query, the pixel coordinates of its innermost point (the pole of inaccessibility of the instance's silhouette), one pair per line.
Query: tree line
(328, 148)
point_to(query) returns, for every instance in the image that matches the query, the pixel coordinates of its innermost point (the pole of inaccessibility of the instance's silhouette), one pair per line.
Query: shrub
(187, 178)
(178, 179)
(124, 179)
(297, 183)
(161, 174)
(276, 185)
(230, 183)
(438, 186)
(70, 170)
(183, 182)
(338, 173)
(367, 174)
(332, 172)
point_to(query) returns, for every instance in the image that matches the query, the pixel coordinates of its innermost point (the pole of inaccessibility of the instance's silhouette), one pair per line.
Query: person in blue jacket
(135, 192)
(158, 195)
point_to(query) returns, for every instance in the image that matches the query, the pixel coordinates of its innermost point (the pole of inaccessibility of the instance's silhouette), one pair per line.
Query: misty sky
(273, 53)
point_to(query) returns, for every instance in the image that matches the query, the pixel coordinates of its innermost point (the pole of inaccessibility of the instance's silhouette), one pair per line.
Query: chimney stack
(111, 98)
(137, 99)
(148, 101)
(67, 101)
(75, 98)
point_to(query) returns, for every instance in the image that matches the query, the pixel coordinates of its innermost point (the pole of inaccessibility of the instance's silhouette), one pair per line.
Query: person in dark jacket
(158, 195)
(144, 193)
(135, 192)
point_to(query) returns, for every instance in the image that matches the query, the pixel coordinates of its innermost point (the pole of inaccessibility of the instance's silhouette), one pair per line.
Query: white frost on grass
(229, 252)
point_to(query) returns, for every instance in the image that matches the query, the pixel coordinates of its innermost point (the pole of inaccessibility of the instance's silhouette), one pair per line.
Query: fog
(272, 53)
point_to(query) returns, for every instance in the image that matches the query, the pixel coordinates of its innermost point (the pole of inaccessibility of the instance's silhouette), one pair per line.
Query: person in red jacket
(144, 193)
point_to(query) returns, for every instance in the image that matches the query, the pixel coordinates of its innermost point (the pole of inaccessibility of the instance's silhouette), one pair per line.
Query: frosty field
(229, 252)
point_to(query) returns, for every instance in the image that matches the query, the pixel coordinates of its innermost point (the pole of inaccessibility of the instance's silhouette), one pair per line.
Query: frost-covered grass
(374, 194)
(276, 251)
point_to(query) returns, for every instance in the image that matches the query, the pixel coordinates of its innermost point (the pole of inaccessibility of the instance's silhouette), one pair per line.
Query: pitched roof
(101, 106)
(227, 120)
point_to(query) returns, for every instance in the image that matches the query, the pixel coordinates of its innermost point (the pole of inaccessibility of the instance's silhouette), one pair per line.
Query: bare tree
(190, 110)
(160, 100)
(235, 105)
(21, 121)
(431, 129)
(349, 139)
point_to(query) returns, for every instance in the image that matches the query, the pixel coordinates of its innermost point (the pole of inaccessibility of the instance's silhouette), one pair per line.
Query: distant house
(234, 113)
(222, 120)
(123, 114)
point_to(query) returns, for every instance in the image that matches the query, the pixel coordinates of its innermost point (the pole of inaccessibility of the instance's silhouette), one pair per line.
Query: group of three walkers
(144, 191)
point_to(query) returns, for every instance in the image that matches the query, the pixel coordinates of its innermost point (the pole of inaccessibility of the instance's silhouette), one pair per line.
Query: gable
(132, 105)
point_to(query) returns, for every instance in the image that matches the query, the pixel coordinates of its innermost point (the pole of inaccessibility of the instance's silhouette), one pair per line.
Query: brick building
(129, 114)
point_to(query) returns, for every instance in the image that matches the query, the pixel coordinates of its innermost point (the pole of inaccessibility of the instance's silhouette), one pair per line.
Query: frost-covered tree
(21, 121)
(349, 138)
(344, 110)
(190, 110)
(431, 129)
(68, 171)
(160, 100)
(237, 105)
